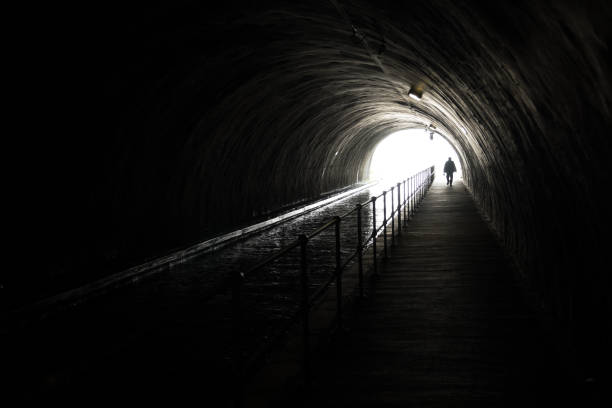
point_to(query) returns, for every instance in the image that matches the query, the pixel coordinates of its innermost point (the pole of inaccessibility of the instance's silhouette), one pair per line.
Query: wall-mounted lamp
(431, 136)
(415, 93)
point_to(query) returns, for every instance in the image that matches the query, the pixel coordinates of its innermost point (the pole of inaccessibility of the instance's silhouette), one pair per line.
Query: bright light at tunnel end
(406, 152)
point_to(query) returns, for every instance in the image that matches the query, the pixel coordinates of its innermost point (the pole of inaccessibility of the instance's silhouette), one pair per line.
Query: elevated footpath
(446, 325)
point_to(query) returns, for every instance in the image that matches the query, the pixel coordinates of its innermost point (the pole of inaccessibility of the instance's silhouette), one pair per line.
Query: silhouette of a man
(449, 169)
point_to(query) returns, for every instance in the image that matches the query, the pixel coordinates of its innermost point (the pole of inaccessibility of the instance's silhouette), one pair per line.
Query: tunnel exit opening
(406, 152)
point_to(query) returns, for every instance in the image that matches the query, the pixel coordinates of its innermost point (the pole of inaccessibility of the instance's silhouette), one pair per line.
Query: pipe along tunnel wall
(174, 122)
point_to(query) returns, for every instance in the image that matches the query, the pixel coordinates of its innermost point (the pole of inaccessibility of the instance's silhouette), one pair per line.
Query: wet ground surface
(170, 335)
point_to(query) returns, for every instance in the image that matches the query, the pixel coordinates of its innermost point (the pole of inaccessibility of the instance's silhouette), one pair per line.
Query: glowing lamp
(415, 93)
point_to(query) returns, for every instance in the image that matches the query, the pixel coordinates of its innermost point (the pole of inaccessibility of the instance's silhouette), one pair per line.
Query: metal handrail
(331, 222)
(414, 189)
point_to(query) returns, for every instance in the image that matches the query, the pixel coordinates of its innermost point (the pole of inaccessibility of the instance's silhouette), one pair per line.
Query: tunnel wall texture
(177, 121)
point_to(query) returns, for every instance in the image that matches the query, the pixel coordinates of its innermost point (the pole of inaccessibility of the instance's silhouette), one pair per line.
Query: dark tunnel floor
(166, 332)
(447, 325)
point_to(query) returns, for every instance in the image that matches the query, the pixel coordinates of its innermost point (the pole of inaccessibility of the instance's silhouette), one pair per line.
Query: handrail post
(385, 221)
(237, 280)
(392, 217)
(399, 210)
(359, 250)
(409, 192)
(338, 275)
(420, 187)
(413, 195)
(407, 201)
(416, 191)
(420, 184)
(374, 234)
(404, 202)
(305, 308)
(424, 177)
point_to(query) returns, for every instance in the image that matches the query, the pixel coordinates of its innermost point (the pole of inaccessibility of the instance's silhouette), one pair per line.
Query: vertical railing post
(409, 192)
(392, 217)
(305, 309)
(374, 235)
(237, 280)
(338, 275)
(416, 191)
(236, 300)
(384, 229)
(419, 188)
(399, 210)
(404, 202)
(359, 251)
(411, 196)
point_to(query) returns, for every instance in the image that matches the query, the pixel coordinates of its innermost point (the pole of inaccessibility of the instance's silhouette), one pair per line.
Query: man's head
(449, 159)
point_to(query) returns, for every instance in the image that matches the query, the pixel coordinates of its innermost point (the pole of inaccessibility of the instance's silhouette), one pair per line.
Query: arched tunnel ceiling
(250, 104)
(195, 118)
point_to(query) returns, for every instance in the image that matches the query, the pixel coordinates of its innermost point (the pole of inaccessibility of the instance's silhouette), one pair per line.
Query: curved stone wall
(206, 117)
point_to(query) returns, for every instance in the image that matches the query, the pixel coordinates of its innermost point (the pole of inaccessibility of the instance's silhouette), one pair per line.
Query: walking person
(449, 169)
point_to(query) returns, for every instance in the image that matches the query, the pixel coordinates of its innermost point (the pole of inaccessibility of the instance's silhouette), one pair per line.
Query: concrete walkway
(446, 325)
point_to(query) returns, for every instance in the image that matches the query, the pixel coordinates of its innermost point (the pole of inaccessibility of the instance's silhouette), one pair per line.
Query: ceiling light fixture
(416, 91)
(415, 94)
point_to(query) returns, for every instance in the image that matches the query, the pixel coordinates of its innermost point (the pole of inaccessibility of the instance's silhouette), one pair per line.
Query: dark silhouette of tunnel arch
(194, 119)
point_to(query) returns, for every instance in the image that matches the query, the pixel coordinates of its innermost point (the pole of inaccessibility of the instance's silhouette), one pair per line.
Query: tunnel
(168, 123)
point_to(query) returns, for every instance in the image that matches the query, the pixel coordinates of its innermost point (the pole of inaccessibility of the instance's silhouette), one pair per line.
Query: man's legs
(451, 178)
